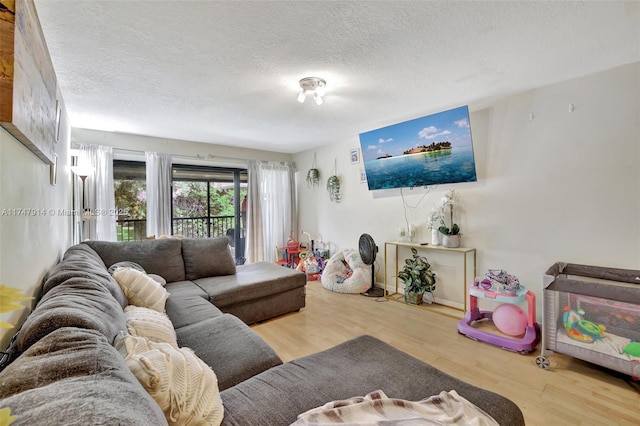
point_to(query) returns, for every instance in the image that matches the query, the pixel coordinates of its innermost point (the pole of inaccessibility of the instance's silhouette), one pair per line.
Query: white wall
(564, 186)
(31, 245)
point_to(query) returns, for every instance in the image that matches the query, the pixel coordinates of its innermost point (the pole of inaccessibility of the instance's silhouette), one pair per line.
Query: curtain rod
(200, 157)
(197, 156)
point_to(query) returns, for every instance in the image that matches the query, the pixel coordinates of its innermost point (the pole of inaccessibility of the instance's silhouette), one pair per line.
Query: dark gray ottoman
(354, 368)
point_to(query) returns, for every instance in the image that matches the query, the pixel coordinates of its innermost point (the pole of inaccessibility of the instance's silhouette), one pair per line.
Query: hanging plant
(333, 184)
(313, 175)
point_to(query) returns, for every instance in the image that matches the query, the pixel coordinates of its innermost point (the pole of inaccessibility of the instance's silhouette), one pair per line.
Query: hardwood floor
(571, 392)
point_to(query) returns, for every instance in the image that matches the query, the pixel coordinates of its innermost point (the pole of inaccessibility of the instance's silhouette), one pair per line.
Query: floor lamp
(82, 171)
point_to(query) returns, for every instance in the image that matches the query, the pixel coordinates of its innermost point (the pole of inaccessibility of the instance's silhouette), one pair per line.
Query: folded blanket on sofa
(376, 408)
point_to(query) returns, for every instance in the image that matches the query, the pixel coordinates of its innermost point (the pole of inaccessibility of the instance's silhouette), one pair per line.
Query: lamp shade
(82, 170)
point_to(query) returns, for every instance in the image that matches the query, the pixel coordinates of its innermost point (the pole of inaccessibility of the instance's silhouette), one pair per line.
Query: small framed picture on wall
(363, 176)
(355, 156)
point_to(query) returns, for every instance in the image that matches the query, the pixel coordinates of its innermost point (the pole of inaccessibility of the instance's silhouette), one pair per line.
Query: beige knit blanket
(447, 408)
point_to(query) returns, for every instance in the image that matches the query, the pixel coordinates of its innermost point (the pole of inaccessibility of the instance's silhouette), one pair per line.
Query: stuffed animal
(311, 265)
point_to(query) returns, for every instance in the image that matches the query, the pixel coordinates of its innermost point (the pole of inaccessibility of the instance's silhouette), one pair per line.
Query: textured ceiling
(227, 72)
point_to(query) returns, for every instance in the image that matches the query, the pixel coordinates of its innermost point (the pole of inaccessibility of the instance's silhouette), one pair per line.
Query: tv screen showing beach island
(431, 150)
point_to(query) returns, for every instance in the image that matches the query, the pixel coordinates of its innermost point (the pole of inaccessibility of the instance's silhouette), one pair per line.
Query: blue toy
(579, 328)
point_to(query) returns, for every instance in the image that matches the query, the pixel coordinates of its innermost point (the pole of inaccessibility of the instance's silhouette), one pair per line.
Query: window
(207, 202)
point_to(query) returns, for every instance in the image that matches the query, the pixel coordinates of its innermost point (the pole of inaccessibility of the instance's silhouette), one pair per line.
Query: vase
(450, 241)
(413, 298)
(428, 298)
(435, 237)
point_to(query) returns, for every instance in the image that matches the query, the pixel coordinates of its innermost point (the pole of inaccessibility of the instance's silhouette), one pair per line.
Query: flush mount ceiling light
(309, 85)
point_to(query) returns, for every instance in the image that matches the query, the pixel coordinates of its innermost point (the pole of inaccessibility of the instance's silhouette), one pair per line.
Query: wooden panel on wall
(28, 82)
(7, 24)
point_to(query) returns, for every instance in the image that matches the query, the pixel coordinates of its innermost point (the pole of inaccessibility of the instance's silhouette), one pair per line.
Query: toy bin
(592, 313)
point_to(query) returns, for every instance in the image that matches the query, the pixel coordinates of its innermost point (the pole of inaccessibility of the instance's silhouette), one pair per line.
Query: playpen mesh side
(616, 364)
(605, 283)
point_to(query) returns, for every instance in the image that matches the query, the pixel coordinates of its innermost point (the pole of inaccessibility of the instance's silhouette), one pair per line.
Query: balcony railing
(189, 227)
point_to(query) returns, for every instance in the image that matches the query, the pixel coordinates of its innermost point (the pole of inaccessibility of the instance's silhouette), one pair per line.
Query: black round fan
(368, 251)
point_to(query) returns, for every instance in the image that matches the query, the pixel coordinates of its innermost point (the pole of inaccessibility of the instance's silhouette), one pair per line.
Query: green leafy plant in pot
(418, 278)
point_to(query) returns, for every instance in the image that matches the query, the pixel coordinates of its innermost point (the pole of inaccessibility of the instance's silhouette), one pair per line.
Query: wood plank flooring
(571, 392)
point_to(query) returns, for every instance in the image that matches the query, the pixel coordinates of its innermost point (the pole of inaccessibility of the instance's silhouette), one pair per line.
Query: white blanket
(376, 409)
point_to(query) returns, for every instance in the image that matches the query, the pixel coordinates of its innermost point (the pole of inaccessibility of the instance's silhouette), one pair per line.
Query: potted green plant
(418, 278)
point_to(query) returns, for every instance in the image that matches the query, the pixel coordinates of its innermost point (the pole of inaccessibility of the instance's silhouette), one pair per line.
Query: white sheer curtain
(272, 213)
(100, 224)
(158, 193)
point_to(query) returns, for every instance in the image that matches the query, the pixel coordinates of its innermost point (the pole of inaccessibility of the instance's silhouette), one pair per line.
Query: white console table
(451, 279)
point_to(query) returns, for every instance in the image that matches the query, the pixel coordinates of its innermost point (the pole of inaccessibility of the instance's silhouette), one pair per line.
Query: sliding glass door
(207, 202)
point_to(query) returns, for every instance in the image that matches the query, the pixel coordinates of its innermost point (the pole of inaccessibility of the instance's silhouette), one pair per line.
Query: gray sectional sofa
(67, 371)
(205, 268)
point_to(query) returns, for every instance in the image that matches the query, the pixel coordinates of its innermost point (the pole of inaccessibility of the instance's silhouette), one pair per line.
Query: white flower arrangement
(437, 216)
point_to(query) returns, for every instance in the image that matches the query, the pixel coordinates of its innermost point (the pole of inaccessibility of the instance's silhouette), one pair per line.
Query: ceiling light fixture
(312, 85)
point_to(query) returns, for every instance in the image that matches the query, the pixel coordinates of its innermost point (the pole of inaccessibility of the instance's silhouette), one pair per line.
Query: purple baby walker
(531, 336)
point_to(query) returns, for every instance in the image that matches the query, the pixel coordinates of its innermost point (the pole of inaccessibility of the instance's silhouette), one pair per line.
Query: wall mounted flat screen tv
(431, 150)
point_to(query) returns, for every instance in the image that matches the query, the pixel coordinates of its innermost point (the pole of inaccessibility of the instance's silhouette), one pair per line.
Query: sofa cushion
(188, 304)
(252, 281)
(161, 257)
(207, 257)
(140, 289)
(183, 386)
(155, 326)
(81, 261)
(74, 377)
(78, 302)
(355, 367)
(230, 347)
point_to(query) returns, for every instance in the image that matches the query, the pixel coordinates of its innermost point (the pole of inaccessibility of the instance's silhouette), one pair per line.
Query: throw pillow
(125, 264)
(158, 279)
(184, 387)
(140, 289)
(155, 326)
(207, 257)
(137, 267)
